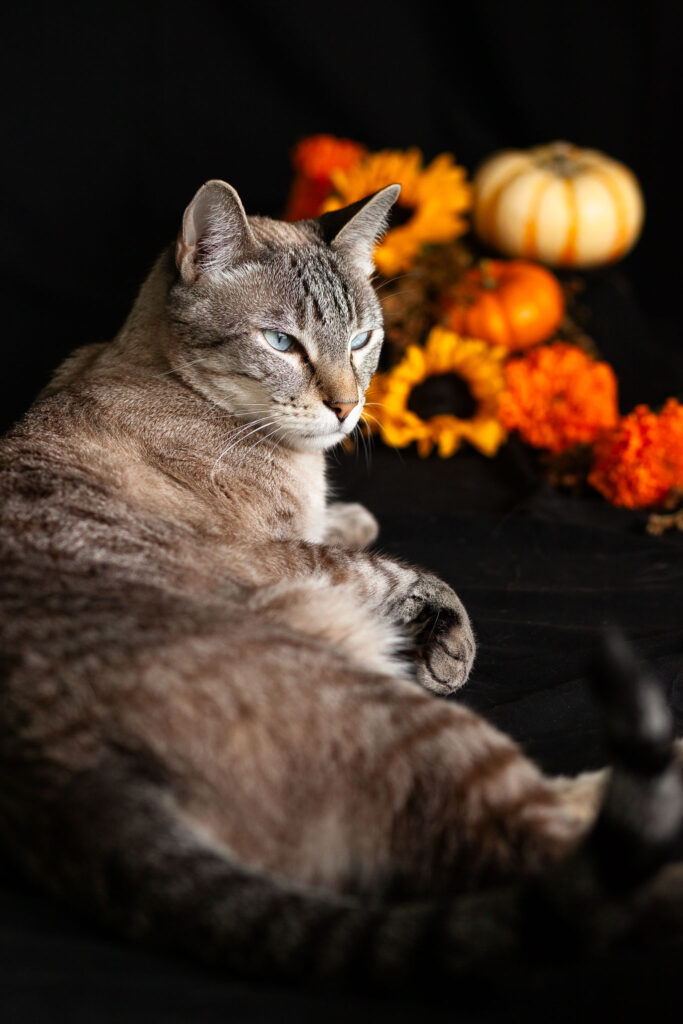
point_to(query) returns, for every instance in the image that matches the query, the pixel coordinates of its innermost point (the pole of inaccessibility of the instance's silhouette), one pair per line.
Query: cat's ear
(356, 228)
(215, 233)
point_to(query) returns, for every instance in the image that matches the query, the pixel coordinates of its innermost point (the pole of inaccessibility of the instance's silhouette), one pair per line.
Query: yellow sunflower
(451, 367)
(434, 199)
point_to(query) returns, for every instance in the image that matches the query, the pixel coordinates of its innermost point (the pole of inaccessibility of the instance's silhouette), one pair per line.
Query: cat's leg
(436, 620)
(431, 616)
(349, 524)
(483, 811)
(332, 613)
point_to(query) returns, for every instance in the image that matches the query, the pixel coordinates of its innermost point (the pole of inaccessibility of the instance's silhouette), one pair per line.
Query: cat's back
(60, 476)
(89, 528)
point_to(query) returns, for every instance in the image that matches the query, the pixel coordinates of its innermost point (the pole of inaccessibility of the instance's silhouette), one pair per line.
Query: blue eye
(361, 340)
(279, 340)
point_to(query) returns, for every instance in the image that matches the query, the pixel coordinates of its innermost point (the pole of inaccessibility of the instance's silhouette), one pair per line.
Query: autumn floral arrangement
(479, 347)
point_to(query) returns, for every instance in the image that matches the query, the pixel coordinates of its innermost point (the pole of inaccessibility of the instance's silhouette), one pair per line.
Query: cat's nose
(342, 409)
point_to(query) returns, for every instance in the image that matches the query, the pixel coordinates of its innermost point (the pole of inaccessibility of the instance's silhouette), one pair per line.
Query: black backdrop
(114, 115)
(112, 118)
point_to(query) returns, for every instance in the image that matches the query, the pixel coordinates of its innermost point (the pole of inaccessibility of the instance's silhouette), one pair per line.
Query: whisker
(181, 366)
(375, 420)
(366, 446)
(250, 412)
(265, 438)
(234, 435)
(239, 440)
(395, 295)
(236, 439)
(385, 284)
(368, 415)
(250, 407)
(367, 439)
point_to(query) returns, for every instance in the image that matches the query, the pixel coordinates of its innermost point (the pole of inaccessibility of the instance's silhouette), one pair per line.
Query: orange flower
(314, 160)
(557, 397)
(641, 460)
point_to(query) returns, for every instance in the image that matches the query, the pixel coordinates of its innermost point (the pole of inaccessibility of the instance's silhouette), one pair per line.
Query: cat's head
(278, 322)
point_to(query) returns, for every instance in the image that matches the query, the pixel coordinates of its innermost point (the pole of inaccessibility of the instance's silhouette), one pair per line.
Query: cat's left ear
(215, 233)
(355, 229)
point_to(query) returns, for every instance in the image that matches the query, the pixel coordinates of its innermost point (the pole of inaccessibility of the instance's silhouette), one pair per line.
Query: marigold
(436, 197)
(557, 397)
(314, 159)
(639, 462)
(477, 363)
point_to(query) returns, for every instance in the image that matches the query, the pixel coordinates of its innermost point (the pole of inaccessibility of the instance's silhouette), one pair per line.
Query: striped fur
(216, 724)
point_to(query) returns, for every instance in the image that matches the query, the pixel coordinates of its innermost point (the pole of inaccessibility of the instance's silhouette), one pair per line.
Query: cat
(219, 714)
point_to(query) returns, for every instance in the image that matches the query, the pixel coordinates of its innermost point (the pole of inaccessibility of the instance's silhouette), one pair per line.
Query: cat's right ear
(357, 228)
(215, 234)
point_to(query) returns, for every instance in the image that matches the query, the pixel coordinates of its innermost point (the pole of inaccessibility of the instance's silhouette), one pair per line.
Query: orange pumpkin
(511, 303)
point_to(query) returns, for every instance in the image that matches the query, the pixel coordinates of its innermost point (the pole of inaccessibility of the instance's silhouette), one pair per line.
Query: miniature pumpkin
(557, 203)
(513, 303)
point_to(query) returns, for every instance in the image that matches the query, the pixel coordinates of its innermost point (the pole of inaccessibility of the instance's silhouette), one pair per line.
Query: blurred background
(115, 115)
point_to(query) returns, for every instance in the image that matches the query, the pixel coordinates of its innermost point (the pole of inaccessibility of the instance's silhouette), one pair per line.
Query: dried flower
(557, 396)
(641, 461)
(411, 303)
(314, 160)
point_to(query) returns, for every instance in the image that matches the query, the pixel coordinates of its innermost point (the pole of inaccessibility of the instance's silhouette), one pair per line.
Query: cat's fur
(215, 717)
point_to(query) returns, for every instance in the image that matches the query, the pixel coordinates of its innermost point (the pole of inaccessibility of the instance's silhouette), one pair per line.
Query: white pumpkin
(558, 204)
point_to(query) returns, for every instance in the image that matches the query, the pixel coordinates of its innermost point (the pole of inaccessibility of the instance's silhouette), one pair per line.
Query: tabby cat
(218, 721)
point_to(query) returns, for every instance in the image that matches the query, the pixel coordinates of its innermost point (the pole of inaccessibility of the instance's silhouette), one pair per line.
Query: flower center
(444, 394)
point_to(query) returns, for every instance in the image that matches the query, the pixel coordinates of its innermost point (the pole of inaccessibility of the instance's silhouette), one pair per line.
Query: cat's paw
(350, 525)
(443, 637)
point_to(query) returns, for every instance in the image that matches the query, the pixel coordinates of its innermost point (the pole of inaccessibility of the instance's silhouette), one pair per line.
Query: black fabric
(112, 118)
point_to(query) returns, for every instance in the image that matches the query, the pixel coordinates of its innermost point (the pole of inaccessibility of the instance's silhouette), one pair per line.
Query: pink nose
(342, 409)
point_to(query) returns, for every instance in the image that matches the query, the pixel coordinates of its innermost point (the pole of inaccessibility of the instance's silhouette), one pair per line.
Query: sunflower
(558, 397)
(314, 159)
(640, 462)
(433, 199)
(440, 395)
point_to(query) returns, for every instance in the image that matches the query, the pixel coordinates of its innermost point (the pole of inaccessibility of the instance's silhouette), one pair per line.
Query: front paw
(443, 637)
(350, 524)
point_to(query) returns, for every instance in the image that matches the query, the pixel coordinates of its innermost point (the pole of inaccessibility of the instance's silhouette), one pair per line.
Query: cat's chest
(283, 497)
(302, 497)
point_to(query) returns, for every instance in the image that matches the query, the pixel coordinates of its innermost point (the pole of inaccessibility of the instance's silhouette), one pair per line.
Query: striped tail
(593, 900)
(640, 827)
(157, 879)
